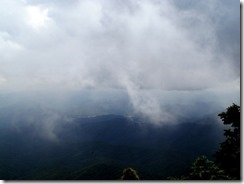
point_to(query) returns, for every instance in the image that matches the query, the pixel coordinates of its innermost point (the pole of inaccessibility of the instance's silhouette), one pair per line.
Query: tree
(204, 169)
(228, 156)
(227, 163)
(129, 174)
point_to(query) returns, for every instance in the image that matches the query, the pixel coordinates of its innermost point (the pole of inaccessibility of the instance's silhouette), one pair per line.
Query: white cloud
(37, 17)
(132, 45)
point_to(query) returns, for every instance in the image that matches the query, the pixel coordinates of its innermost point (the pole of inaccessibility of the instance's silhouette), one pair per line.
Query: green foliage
(228, 156)
(129, 174)
(204, 169)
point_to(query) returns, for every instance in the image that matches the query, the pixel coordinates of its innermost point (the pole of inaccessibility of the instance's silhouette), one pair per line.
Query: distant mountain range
(100, 147)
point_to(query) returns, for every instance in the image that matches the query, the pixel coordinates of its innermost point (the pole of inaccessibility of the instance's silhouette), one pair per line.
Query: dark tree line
(228, 156)
(227, 159)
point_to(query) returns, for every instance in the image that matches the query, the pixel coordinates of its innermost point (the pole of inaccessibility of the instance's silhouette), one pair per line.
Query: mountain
(100, 147)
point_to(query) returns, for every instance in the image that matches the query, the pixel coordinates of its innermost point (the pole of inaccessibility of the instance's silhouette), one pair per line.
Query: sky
(156, 51)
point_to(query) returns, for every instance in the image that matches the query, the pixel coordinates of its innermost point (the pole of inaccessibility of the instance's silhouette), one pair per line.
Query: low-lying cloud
(137, 46)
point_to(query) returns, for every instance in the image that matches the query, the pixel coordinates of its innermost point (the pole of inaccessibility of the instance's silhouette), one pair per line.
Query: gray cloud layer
(133, 45)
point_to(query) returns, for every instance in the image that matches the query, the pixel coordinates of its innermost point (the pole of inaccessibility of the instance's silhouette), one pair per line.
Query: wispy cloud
(132, 45)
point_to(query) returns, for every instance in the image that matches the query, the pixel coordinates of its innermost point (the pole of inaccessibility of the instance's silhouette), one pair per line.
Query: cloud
(2, 80)
(130, 45)
(37, 16)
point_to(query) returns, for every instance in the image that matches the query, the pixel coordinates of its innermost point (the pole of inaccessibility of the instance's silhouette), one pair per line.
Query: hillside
(100, 147)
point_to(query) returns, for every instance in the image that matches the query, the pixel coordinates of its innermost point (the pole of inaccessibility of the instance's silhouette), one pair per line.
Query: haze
(160, 59)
